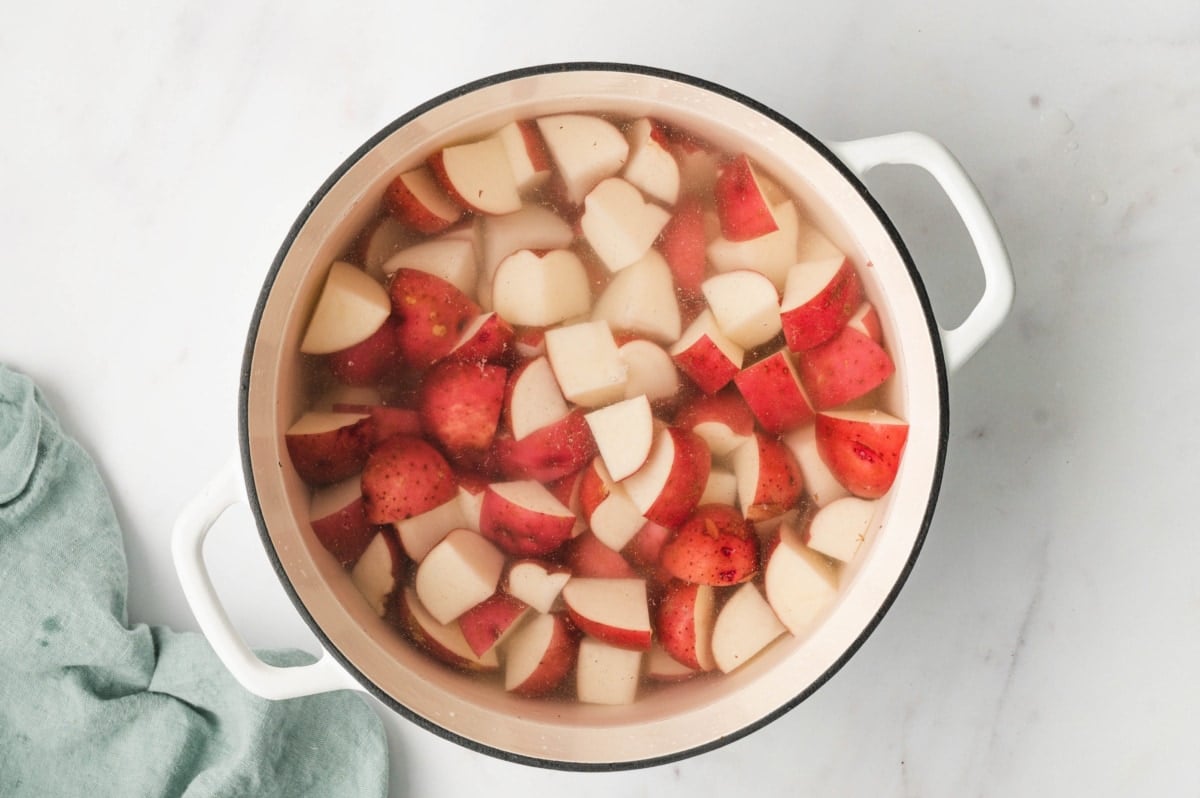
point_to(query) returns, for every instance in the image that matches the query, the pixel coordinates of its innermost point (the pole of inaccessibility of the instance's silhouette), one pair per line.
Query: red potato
(462, 570)
(388, 421)
(384, 238)
(771, 254)
(845, 367)
(540, 655)
(769, 481)
(619, 224)
(487, 339)
(745, 626)
(606, 507)
(716, 546)
(614, 611)
(651, 372)
(430, 315)
(549, 453)
(667, 488)
(527, 156)
(839, 528)
(532, 399)
(405, 477)
(420, 533)
(818, 299)
(352, 306)
(683, 623)
(487, 623)
(587, 363)
(866, 320)
(722, 419)
(742, 204)
(745, 305)
(651, 166)
(662, 667)
(379, 570)
(706, 355)
(624, 433)
(820, 484)
(460, 404)
(640, 300)
(682, 243)
(536, 583)
(800, 583)
(607, 674)
(774, 393)
(646, 546)
(533, 227)
(370, 361)
(446, 642)
(339, 521)
(477, 176)
(451, 257)
(329, 447)
(863, 449)
(416, 199)
(587, 557)
(541, 289)
(524, 519)
(586, 149)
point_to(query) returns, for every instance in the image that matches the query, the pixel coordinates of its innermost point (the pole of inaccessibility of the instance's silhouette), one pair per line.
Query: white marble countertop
(1048, 640)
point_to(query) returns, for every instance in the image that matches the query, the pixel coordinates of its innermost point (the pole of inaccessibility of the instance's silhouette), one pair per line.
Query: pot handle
(917, 149)
(187, 549)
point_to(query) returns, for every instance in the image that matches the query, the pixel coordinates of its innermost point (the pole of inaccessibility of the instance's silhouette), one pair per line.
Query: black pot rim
(593, 66)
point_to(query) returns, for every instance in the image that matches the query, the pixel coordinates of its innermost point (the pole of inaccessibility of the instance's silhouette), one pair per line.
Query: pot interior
(663, 723)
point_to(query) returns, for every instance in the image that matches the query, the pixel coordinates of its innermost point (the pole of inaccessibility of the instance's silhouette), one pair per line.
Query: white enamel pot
(361, 652)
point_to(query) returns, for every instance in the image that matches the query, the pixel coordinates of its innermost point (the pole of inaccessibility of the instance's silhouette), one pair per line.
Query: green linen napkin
(90, 706)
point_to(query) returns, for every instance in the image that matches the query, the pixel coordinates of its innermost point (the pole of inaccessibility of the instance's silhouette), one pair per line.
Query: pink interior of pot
(663, 722)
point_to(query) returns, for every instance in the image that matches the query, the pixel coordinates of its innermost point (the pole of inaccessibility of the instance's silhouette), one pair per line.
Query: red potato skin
(863, 457)
(682, 243)
(780, 481)
(389, 421)
(871, 326)
(430, 315)
(675, 622)
(520, 531)
(494, 342)
(535, 146)
(773, 395)
(743, 210)
(592, 490)
(819, 319)
(557, 661)
(460, 402)
(402, 617)
(685, 484)
(401, 203)
(405, 476)
(328, 457)
(715, 547)
(646, 546)
(844, 368)
(725, 407)
(485, 623)
(547, 454)
(634, 639)
(706, 365)
(370, 361)
(586, 556)
(345, 533)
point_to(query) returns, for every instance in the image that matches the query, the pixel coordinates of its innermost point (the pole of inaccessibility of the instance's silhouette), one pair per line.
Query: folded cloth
(91, 706)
